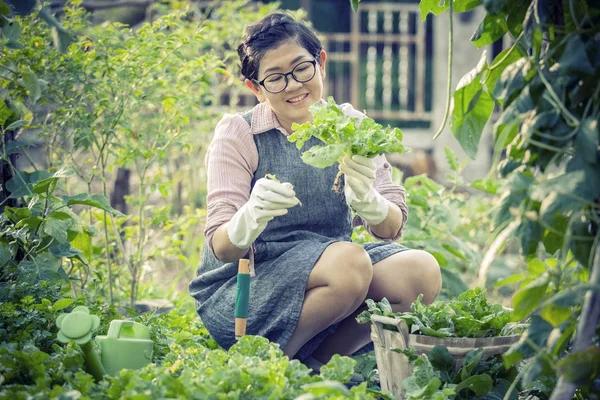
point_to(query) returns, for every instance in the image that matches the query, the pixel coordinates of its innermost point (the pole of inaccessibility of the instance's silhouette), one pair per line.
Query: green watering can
(127, 344)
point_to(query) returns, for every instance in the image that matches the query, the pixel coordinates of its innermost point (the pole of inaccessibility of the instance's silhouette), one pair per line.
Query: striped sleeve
(231, 161)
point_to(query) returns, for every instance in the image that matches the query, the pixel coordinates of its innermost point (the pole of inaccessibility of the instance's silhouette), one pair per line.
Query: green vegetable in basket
(470, 315)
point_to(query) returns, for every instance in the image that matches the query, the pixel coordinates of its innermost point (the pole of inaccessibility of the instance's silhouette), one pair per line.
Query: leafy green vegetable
(343, 135)
(468, 316)
(435, 376)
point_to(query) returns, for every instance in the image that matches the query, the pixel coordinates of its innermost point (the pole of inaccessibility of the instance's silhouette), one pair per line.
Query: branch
(586, 328)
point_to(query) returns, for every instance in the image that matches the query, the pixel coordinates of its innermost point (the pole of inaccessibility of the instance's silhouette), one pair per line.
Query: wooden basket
(394, 367)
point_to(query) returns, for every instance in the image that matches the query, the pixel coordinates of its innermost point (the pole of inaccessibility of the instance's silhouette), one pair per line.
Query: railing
(380, 65)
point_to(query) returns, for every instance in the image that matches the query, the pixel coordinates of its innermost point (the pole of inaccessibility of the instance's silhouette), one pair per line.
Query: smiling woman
(310, 280)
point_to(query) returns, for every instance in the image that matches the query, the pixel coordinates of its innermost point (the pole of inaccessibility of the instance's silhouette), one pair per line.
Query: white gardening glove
(268, 199)
(359, 173)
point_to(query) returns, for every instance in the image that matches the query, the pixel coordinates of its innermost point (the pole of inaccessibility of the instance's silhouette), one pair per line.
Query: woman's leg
(400, 278)
(336, 286)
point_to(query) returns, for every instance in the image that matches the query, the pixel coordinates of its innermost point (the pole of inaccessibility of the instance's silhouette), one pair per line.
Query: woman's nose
(292, 85)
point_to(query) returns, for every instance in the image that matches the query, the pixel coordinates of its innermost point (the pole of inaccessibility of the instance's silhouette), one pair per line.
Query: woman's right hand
(268, 199)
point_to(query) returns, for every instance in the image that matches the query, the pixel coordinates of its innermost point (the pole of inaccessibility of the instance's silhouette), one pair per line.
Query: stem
(449, 88)
(559, 103)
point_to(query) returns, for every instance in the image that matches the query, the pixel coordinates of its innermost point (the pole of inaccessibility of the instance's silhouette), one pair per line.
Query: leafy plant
(343, 135)
(435, 376)
(470, 315)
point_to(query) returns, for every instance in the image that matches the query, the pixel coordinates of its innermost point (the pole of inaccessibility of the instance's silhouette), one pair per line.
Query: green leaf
(489, 185)
(460, 6)
(339, 368)
(574, 59)
(12, 30)
(492, 28)
(5, 112)
(472, 358)
(64, 250)
(472, 109)
(479, 384)
(327, 388)
(499, 64)
(96, 201)
(582, 368)
(4, 10)
(57, 228)
(17, 124)
(354, 5)
(83, 243)
(512, 81)
(62, 304)
(17, 214)
(436, 7)
(587, 141)
(5, 254)
(529, 297)
(441, 359)
(30, 82)
(323, 156)
(452, 158)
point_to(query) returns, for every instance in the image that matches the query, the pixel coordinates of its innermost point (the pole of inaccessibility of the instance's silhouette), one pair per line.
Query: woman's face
(291, 104)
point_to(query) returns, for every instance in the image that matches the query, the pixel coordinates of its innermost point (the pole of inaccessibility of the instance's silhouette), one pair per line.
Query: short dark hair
(269, 33)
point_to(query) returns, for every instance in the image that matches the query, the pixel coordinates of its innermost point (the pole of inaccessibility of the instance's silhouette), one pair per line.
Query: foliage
(545, 85)
(343, 135)
(187, 363)
(435, 376)
(469, 316)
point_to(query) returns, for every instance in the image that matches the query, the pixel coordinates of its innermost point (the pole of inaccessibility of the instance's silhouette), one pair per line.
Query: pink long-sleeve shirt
(232, 159)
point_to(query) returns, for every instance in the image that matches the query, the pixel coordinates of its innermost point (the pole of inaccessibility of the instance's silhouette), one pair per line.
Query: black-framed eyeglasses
(303, 72)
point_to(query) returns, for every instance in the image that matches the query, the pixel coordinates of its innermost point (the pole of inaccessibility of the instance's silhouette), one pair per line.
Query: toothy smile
(298, 99)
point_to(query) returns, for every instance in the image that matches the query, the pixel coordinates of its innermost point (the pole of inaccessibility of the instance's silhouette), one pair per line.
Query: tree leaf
(492, 28)
(30, 82)
(472, 108)
(57, 228)
(460, 6)
(12, 30)
(355, 5)
(436, 7)
(96, 201)
(587, 141)
(17, 124)
(529, 297)
(62, 304)
(452, 158)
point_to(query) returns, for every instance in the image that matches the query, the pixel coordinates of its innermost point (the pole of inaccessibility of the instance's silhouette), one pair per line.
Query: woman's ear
(323, 62)
(255, 89)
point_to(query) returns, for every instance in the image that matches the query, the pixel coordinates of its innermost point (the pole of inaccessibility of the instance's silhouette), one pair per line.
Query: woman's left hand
(359, 173)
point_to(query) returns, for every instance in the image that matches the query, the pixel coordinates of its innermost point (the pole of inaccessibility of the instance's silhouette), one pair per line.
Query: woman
(310, 278)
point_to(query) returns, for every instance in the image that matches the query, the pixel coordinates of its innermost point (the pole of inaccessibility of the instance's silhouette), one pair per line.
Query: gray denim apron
(285, 252)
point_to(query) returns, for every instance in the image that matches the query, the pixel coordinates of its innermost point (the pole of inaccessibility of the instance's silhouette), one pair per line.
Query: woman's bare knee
(345, 267)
